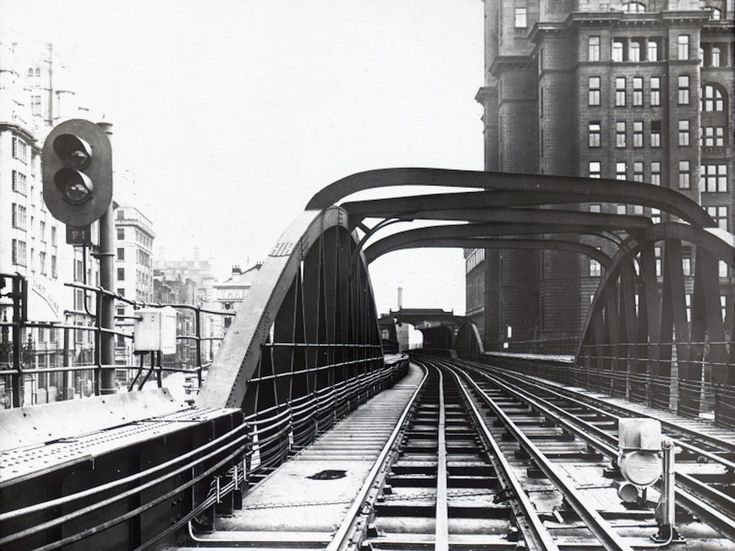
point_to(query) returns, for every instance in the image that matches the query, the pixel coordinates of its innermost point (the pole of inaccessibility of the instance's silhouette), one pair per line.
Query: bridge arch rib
(307, 323)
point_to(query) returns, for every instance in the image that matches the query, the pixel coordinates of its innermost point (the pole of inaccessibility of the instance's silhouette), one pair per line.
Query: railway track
(487, 460)
(705, 463)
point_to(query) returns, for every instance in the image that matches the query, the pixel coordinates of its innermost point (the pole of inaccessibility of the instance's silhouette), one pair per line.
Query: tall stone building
(36, 92)
(599, 88)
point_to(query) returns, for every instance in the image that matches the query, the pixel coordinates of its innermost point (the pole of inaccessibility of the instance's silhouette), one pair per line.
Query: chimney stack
(400, 298)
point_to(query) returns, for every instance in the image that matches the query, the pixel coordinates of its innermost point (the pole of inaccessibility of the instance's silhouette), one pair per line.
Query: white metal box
(639, 434)
(155, 330)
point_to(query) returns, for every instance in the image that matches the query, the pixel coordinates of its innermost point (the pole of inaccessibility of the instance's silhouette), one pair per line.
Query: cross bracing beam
(475, 231)
(615, 191)
(480, 243)
(396, 207)
(532, 216)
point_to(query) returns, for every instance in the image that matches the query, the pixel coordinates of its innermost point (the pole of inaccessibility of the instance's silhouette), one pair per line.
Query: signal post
(77, 188)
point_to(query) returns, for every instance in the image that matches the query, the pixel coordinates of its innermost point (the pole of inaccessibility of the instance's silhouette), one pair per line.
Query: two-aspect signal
(77, 172)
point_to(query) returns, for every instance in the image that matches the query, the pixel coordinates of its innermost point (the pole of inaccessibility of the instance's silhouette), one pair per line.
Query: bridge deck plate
(35, 460)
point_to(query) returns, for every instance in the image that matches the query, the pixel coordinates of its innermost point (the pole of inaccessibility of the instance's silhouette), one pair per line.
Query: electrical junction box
(639, 434)
(155, 330)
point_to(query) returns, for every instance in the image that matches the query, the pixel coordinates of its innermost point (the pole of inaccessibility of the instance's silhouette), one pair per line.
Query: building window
(620, 171)
(42, 230)
(520, 19)
(683, 89)
(19, 182)
(19, 220)
(54, 271)
(637, 133)
(121, 274)
(713, 136)
(634, 7)
(715, 57)
(593, 48)
(716, 14)
(594, 138)
(652, 50)
(541, 102)
(593, 96)
(620, 92)
(715, 178)
(684, 133)
(120, 253)
(594, 169)
(686, 266)
(712, 99)
(656, 173)
(719, 215)
(19, 252)
(655, 216)
(620, 134)
(42, 262)
(121, 291)
(683, 46)
(620, 209)
(637, 91)
(53, 236)
(723, 268)
(35, 105)
(635, 51)
(655, 91)
(617, 50)
(20, 150)
(595, 269)
(683, 174)
(121, 233)
(638, 171)
(655, 133)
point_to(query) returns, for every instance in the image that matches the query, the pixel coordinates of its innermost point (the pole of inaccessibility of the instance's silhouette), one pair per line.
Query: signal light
(77, 172)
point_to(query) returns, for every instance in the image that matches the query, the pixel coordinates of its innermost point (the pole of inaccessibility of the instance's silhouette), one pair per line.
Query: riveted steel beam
(617, 191)
(395, 241)
(533, 216)
(498, 243)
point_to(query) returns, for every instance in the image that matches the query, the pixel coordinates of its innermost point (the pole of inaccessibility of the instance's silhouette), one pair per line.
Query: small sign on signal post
(79, 235)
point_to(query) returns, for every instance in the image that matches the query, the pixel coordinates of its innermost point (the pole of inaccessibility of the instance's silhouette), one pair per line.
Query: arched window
(634, 7)
(38, 72)
(712, 99)
(30, 71)
(716, 14)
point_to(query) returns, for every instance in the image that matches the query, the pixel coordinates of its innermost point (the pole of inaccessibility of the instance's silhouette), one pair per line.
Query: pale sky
(231, 114)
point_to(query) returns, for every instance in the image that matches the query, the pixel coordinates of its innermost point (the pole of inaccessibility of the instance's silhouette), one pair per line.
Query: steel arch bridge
(309, 321)
(305, 348)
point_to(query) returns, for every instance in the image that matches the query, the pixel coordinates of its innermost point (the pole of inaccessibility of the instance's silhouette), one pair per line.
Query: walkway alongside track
(305, 501)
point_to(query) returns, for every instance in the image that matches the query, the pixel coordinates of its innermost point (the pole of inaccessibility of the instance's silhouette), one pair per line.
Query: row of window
(20, 258)
(712, 177)
(709, 136)
(19, 221)
(594, 92)
(687, 268)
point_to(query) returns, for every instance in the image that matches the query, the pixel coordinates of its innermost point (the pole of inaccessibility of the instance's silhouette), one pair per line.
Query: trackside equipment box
(155, 330)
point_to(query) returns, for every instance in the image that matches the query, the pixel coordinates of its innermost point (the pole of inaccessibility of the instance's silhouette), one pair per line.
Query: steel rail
(586, 511)
(535, 534)
(441, 538)
(701, 500)
(341, 536)
(588, 402)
